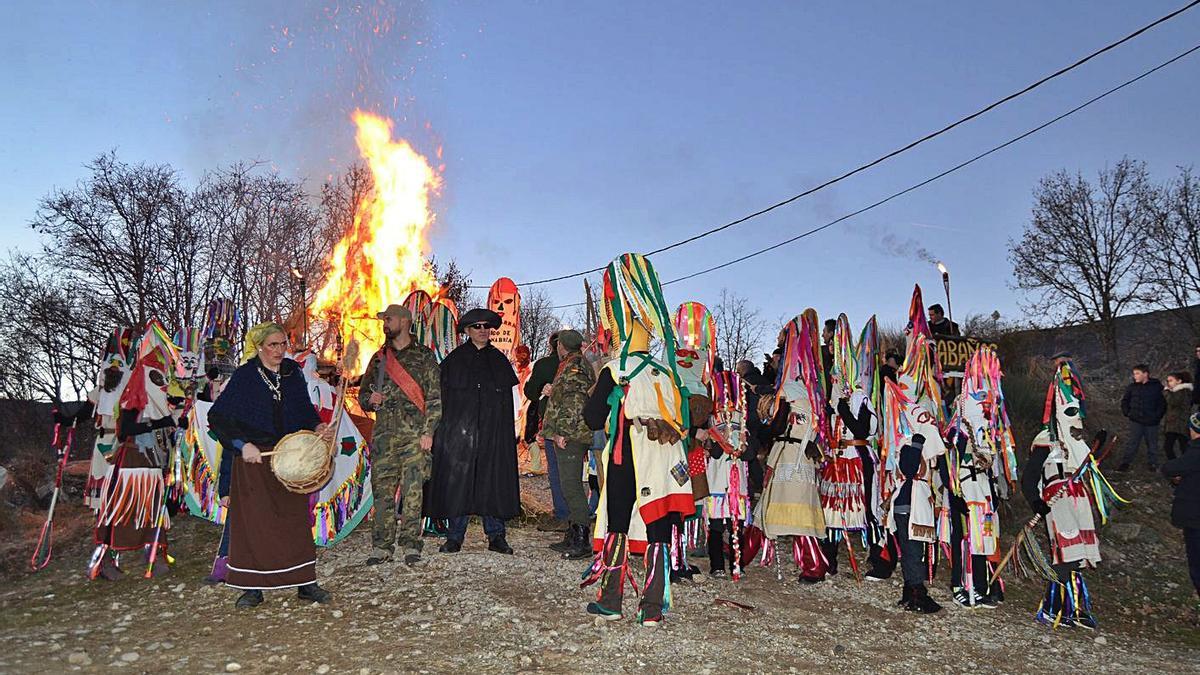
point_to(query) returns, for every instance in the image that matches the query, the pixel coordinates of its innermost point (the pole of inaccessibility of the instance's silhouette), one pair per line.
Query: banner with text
(953, 352)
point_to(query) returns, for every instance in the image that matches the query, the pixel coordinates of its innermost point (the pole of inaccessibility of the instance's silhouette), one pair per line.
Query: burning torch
(946, 284)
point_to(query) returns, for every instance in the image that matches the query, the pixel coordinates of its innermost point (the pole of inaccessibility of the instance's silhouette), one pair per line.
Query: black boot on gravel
(921, 602)
(562, 546)
(906, 596)
(249, 599)
(499, 545)
(314, 593)
(581, 544)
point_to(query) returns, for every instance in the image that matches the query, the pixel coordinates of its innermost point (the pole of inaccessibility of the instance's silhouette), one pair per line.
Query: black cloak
(475, 447)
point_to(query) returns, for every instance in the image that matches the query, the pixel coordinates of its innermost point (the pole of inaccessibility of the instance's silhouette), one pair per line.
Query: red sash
(403, 380)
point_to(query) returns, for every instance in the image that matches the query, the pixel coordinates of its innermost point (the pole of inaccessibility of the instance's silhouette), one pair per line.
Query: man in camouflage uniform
(401, 387)
(564, 431)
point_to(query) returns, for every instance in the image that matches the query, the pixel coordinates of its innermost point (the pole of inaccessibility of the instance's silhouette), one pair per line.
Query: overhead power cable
(929, 180)
(927, 137)
(939, 176)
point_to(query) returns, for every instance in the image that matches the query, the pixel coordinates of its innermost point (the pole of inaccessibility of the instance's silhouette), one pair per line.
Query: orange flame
(381, 259)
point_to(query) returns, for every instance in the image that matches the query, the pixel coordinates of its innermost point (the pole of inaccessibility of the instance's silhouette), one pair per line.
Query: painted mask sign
(505, 300)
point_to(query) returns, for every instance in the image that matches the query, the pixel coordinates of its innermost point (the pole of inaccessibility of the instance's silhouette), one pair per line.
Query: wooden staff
(45, 543)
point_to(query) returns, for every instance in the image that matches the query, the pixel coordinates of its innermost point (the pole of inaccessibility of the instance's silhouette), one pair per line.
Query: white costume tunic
(791, 502)
(1070, 523)
(663, 484)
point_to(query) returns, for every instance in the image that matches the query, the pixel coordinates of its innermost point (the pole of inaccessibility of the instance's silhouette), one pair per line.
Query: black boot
(880, 569)
(500, 545)
(830, 548)
(314, 593)
(921, 602)
(716, 552)
(249, 599)
(609, 568)
(906, 596)
(581, 543)
(562, 546)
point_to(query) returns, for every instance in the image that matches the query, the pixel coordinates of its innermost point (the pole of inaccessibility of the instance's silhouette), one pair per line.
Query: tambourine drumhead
(302, 462)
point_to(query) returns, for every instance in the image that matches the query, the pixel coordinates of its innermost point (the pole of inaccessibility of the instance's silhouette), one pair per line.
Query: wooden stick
(1016, 543)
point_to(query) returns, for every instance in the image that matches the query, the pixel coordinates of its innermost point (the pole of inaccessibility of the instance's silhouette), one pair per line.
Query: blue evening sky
(576, 131)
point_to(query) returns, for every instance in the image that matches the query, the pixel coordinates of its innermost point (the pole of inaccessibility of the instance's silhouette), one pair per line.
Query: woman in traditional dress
(271, 543)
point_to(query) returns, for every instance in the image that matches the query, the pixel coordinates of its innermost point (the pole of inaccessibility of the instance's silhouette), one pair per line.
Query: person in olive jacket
(1179, 407)
(1184, 472)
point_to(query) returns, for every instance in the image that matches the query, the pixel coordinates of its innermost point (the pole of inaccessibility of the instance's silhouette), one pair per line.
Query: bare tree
(49, 341)
(263, 228)
(1174, 247)
(1080, 258)
(455, 283)
(538, 321)
(740, 328)
(109, 234)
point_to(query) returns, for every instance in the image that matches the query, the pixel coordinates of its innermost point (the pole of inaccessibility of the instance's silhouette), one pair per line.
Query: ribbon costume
(977, 445)
(844, 490)
(133, 514)
(791, 502)
(728, 502)
(1060, 481)
(695, 357)
(913, 439)
(104, 410)
(641, 404)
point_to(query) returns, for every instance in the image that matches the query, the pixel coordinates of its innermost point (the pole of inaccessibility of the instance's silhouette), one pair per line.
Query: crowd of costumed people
(839, 448)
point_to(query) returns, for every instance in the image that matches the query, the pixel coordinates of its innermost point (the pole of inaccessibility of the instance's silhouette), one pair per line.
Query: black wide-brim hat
(478, 315)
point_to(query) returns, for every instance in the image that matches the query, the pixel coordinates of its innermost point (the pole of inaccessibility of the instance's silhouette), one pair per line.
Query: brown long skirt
(270, 541)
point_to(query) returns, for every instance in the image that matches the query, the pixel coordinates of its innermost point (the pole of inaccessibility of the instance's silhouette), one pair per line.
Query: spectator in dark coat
(891, 365)
(1144, 406)
(939, 324)
(1184, 472)
(1179, 407)
(756, 386)
(537, 392)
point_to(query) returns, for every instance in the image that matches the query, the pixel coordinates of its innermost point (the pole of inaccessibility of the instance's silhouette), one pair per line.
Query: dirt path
(479, 611)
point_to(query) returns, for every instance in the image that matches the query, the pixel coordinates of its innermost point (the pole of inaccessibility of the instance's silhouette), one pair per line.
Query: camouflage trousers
(398, 471)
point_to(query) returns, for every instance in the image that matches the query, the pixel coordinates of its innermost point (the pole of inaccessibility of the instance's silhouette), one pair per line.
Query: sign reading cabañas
(953, 352)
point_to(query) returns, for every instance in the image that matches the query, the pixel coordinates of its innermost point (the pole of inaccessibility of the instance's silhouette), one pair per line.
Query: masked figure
(133, 514)
(640, 402)
(791, 499)
(103, 411)
(1055, 482)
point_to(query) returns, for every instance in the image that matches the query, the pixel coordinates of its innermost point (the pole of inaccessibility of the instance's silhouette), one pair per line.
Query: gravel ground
(480, 611)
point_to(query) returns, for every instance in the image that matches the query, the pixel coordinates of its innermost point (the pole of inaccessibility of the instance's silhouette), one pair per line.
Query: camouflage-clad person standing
(568, 435)
(401, 386)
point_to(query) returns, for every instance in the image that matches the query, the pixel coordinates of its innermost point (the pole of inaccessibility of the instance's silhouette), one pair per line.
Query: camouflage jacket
(564, 412)
(397, 414)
